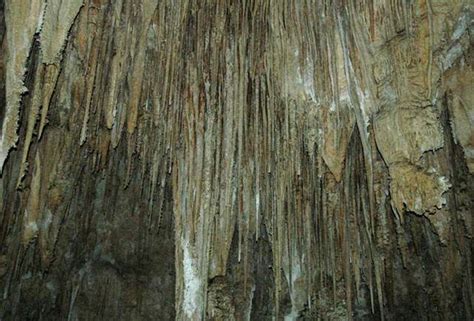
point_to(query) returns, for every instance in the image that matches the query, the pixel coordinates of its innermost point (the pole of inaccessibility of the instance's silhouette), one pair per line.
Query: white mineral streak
(192, 304)
(296, 292)
(292, 316)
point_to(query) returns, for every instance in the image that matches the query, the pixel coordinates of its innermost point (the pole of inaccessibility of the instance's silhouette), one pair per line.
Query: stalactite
(290, 160)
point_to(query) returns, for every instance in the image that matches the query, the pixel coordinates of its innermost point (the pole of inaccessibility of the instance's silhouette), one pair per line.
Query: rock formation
(236, 160)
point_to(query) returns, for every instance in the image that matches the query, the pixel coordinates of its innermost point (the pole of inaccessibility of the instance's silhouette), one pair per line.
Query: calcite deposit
(236, 160)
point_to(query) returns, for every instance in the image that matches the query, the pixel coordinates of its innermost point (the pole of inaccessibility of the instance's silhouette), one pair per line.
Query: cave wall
(236, 160)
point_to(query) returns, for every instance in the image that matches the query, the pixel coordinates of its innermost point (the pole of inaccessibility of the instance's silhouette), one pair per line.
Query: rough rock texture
(236, 160)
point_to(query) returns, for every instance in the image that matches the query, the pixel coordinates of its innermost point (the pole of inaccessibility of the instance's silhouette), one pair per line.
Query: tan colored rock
(58, 19)
(461, 108)
(218, 203)
(336, 131)
(403, 135)
(23, 19)
(417, 190)
(31, 220)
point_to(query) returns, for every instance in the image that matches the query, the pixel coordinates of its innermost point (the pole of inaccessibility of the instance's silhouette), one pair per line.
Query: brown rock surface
(236, 160)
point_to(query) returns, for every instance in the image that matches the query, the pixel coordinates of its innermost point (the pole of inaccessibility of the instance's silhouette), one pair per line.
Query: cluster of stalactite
(236, 160)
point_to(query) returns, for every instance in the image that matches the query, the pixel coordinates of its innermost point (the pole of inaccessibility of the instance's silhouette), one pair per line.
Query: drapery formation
(236, 160)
